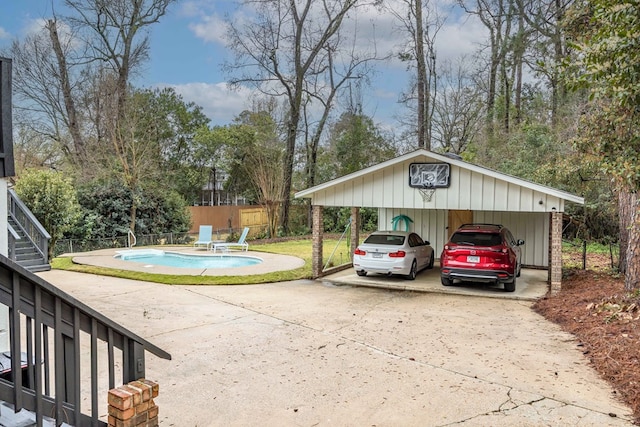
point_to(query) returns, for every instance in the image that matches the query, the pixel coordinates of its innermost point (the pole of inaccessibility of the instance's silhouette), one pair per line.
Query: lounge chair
(204, 237)
(240, 243)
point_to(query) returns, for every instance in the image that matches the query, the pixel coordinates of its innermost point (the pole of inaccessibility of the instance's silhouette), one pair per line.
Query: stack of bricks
(131, 405)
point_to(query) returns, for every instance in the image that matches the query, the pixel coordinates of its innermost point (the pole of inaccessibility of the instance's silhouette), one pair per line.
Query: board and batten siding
(431, 225)
(468, 190)
(531, 227)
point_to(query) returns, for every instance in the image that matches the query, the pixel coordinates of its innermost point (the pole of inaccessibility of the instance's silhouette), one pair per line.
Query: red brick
(145, 389)
(143, 407)
(153, 411)
(136, 392)
(120, 414)
(121, 399)
(140, 419)
(155, 387)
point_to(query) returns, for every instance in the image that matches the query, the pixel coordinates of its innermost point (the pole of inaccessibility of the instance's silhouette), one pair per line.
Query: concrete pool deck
(270, 262)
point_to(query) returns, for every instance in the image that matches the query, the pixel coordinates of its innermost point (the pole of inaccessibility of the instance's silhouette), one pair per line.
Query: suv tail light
(399, 254)
(359, 251)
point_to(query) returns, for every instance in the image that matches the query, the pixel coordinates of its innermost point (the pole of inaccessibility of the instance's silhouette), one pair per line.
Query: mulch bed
(605, 319)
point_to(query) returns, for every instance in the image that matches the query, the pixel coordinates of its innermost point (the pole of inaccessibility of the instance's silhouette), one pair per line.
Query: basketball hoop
(427, 191)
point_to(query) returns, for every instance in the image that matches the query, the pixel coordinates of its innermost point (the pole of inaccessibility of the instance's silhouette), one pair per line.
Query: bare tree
(549, 48)
(421, 22)
(496, 16)
(65, 73)
(292, 49)
(40, 104)
(65, 83)
(321, 91)
(116, 32)
(262, 167)
(458, 108)
(134, 141)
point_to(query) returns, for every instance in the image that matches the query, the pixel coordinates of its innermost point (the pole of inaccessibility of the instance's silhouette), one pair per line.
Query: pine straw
(594, 307)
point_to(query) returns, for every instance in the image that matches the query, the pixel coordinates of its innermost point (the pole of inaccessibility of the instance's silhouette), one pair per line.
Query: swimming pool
(156, 257)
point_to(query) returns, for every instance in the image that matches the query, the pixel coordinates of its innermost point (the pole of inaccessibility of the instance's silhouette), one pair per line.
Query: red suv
(482, 253)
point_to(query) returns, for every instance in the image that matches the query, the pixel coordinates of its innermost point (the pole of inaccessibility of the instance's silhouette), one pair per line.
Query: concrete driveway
(311, 353)
(530, 286)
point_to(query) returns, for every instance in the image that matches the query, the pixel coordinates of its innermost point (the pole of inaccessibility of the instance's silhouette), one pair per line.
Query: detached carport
(438, 193)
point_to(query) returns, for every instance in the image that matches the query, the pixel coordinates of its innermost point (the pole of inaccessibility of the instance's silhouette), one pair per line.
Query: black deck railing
(57, 338)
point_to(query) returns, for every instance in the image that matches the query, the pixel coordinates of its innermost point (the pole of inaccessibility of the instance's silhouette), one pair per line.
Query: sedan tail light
(398, 254)
(359, 251)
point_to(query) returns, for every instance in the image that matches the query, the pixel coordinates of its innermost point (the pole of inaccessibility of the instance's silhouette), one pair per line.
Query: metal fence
(79, 245)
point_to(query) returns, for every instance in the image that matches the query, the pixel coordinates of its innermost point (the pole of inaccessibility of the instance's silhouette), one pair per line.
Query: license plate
(376, 255)
(473, 259)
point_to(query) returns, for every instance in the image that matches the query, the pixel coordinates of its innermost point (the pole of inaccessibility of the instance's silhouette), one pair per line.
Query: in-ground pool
(153, 257)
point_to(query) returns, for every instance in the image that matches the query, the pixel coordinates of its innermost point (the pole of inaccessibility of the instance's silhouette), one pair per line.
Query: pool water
(171, 259)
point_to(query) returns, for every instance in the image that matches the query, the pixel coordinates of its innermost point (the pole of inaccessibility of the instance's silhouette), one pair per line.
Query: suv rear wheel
(511, 286)
(446, 281)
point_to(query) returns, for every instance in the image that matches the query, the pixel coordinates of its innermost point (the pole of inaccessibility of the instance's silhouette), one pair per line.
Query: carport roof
(422, 155)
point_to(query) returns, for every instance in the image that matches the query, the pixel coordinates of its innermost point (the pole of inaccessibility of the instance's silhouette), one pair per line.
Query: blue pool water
(170, 259)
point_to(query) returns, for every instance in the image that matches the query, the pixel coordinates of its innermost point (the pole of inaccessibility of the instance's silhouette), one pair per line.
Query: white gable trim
(424, 155)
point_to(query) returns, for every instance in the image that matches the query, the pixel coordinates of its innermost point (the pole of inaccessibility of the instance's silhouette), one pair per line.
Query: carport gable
(532, 211)
(471, 187)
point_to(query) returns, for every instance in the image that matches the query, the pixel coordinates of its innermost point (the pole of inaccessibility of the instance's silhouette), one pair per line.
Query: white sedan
(393, 252)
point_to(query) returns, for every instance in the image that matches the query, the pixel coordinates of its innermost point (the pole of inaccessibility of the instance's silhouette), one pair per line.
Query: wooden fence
(226, 217)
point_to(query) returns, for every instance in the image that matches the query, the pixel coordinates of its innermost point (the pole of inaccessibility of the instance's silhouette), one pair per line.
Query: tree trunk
(518, 59)
(289, 155)
(63, 75)
(422, 77)
(624, 222)
(133, 212)
(632, 277)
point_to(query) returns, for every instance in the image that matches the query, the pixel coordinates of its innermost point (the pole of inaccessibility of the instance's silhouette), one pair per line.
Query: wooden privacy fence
(225, 217)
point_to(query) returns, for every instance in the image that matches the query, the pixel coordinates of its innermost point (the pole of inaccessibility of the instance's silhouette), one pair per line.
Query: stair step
(39, 267)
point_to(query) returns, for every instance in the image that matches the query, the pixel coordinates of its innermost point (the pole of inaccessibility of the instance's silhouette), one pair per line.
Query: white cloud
(210, 29)
(37, 25)
(462, 37)
(4, 34)
(218, 102)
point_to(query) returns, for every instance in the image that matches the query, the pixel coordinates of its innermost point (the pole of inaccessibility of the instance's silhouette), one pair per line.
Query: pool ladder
(131, 239)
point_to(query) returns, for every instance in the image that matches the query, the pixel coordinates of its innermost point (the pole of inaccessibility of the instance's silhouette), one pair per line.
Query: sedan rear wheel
(414, 271)
(431, 261)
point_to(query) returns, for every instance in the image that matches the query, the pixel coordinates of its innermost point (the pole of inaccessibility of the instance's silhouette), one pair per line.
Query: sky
(188, 49)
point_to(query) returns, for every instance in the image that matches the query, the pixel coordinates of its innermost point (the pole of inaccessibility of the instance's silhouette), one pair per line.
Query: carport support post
(555, 267)
(355, 230)
(316, 241)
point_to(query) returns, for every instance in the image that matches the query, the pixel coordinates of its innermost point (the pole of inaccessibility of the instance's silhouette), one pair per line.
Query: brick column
(555, 252)
(131, 405)
(355, 230)
(316, 244)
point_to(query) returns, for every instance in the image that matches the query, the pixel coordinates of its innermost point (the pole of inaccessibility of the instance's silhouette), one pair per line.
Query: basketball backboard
(429, 175)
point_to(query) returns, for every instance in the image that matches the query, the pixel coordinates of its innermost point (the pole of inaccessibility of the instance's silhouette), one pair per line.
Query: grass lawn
(297, 248)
